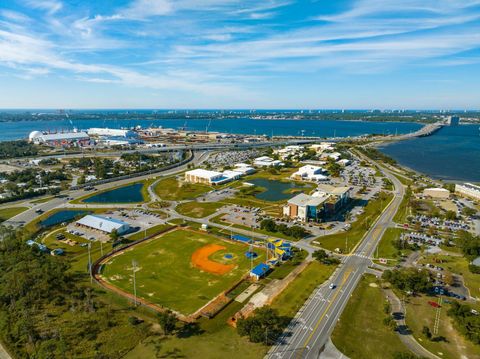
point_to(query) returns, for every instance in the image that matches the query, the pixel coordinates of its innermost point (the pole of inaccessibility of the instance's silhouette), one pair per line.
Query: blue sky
(240, 54)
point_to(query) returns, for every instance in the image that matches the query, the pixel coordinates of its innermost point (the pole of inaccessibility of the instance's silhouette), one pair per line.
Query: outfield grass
(165, 274)
(387, 250)
(294, 296)
(170, 189)
(360, 332)
(7, 213)
(198, 209)
(358, 229)
(218, 219)
(420, 314)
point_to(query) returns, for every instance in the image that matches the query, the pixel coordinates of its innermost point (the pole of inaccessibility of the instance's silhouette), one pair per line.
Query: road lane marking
(305, 345)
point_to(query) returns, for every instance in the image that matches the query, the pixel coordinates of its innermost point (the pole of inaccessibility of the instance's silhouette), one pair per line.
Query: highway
(308, 332)
(62, 201)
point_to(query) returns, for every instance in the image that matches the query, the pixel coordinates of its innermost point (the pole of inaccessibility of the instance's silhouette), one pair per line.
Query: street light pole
(90, 264)
(134, 265)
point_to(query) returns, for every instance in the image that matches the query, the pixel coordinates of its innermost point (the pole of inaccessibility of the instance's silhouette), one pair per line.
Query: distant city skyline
(229, 54)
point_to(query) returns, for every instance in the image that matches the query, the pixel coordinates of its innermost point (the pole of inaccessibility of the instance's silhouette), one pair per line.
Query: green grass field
(7, 213)
(458, 265)
(358, 229)
(387, 250)
(360, 332)
(294, 296)
(166, 276)
(198, 209)
(422, 314)
(170, 189)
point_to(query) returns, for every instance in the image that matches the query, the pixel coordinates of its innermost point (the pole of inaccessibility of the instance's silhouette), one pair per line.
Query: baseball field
(181, 270)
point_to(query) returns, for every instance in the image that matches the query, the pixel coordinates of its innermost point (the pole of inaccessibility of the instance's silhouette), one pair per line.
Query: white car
(332, 286)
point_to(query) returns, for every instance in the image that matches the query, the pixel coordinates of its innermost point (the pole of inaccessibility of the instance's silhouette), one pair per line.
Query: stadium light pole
(90, 264)
(134, 265)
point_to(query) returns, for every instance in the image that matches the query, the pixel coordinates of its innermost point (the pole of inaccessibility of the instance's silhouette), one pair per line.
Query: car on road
(332, 286)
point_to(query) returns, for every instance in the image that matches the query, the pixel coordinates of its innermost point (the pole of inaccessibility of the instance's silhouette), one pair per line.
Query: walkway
(403, 332)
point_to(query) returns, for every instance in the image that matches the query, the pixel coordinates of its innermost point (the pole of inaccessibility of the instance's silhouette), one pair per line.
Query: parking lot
(138, 220)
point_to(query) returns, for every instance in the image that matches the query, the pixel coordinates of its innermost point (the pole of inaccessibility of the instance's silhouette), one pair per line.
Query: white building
(469, 190)
(232, 175)
(245, 168)
(266, 161)
(334, 156)
(59, 138)
(309, 173)
(203, 176)
(103, 224)
(289, 151)
(441, 193)
(111, 132)
(323, 146)
(343, 162)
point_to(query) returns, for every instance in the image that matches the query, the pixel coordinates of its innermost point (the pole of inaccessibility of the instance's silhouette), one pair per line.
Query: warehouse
(112, 132)
(64, 139)
(103, 224)
(441, 193)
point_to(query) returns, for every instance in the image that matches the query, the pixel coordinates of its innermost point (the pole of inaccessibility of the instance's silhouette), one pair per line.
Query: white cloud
(50, 6)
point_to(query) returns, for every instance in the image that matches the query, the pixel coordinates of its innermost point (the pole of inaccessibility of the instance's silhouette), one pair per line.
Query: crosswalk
(361, 256)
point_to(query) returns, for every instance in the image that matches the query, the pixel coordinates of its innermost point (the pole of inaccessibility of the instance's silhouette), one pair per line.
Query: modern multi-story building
(469, 190)
(305, 207)
(338, 198)
(325, 202)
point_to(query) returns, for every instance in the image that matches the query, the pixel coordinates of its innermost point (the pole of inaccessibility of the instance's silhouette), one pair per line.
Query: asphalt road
(309, 331)
(59, 202)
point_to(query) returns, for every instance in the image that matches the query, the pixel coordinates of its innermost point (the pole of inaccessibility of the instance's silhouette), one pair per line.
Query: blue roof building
(259, 271)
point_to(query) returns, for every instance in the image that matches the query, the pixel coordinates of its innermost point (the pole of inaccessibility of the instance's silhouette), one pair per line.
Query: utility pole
(101, 248)
(90, 264)
(134, 267)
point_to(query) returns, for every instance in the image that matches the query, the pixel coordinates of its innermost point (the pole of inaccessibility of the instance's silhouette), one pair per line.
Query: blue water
(275, 190)
(451, 154)
(62, 216)
(127, 194)
(320, 128)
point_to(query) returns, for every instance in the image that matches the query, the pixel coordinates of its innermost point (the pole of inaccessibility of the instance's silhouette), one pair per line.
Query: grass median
(345, 241)
(360, 332)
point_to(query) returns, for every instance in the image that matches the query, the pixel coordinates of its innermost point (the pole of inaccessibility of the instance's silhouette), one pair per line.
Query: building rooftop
(328, 189)
(260, 270)
(101, 223)
(303, 199)
(63, 136)
(200, 172)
